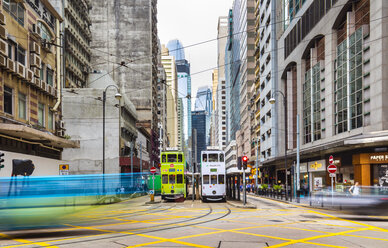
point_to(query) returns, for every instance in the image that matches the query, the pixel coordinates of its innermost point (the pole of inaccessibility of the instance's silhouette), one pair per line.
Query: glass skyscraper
(184, 83)
(204, 102)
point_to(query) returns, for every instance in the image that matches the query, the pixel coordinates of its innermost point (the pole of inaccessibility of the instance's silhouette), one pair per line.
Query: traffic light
(239, 163)
(245, 162)
(1, 160)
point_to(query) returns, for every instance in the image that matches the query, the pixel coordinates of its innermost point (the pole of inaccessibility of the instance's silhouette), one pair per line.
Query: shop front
(317, 174)
(371, 169)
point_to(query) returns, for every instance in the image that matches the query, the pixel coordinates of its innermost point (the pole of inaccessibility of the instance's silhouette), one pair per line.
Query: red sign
(332, 168)
(153, 170)
(331, 159)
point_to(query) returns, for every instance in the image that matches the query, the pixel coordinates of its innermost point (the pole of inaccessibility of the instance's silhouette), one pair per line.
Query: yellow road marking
(44, 244)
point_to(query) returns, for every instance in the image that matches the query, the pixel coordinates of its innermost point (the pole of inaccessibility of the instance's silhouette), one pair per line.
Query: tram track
(156, 228)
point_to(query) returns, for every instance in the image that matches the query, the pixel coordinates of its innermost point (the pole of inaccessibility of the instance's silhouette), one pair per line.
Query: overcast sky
(193, 21)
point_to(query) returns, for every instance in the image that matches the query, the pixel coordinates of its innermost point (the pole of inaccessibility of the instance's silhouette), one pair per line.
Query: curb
(154, 202)
(248, 205)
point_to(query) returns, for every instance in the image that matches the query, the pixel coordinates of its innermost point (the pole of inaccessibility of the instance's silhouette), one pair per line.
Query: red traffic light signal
(245, 159)
(245, 162)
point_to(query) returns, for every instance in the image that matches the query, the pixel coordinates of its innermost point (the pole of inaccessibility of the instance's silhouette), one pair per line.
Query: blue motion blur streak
(27, 202)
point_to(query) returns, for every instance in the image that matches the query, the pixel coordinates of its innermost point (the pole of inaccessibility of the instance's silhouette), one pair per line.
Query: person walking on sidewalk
(355, 190)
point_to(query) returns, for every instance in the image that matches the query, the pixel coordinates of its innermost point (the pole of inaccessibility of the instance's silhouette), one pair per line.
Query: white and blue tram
(213, 175)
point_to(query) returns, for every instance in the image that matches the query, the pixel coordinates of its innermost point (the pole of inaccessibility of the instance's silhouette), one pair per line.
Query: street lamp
(118, 97)
(272, 101)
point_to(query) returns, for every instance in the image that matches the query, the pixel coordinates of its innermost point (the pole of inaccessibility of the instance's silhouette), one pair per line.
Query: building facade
(129, 52)
(203, 102)
(334, 76)
(199, 124)
(30, 85)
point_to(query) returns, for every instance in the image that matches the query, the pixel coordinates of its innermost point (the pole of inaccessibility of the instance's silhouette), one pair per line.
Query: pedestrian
(355, 189)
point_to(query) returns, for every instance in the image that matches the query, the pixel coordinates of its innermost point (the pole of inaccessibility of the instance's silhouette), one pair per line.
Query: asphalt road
(196, 224)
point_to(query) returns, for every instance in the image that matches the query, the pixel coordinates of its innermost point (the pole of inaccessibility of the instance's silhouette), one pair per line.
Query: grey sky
(193, 21)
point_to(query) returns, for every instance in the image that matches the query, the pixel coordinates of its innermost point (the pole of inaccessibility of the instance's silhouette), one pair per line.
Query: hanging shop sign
(303, 167)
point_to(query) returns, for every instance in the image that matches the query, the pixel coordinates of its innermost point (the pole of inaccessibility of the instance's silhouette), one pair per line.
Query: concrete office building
(333, 71)
(213, 127)
(125, 44)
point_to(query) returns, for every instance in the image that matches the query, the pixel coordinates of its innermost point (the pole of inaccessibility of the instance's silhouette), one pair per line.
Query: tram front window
(180, 158)
(221, 179)
(204, 157)
(205, 179)
(171, 178)
(179, 178)
(213, 157)
(165, 179)
(221, 157)
(163, 158)
(213, 179)
(171, 158)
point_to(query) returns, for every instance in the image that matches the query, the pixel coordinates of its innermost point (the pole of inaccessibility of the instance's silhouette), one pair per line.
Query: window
(8, 101)
(50, 123)
(41, 114)
(165, 179)
(179, 178)
(21, 55)
(213, 157)
(180, 158)
(42, 72)
(204, 157)
(221, 179)
(15, 9)
(44, 32)
(171, 158)
(171, 179)
(50, 75)
(222, 155)
(213, 179)
(163, 158)
(205, 179)
(22, 106)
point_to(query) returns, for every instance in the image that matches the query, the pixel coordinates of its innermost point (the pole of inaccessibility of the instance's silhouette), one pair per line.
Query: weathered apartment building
(30, 69)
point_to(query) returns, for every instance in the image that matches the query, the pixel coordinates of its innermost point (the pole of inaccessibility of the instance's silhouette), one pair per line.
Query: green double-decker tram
(172, 169)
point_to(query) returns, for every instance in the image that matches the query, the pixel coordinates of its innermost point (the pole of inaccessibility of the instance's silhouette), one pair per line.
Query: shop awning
(375, 138)
(33, 135)
(234, 170)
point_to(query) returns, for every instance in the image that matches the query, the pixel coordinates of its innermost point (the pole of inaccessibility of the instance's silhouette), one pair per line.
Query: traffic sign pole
(153, 171)
(332, 170)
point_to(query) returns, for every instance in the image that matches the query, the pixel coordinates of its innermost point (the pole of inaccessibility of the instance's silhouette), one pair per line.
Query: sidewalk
(240, 204)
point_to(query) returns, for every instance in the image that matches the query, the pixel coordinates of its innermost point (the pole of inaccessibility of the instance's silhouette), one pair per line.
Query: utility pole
(257, 163)
(141, 156)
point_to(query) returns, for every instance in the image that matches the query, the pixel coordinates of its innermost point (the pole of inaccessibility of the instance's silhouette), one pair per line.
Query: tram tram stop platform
(240, 204)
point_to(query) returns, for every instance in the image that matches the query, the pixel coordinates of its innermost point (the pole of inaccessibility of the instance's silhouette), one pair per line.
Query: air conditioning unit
(37, 82)
(46, 45)
(35, 60)
(35, 30)
(36, 72)
(3, 32)
(43, 85)
(2, 19)
(34, 47)
(3, 61)
(61, 124)
(29, 75)
(53, 91)
(10, 65)
(3, 48)
(49, 88)
(20, 70)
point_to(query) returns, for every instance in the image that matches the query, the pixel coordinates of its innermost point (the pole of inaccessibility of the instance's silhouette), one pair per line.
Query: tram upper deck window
(204, 157)
(205, 179)
(164, 159)
(180, 158)
(213, 179)
(221, 179)
(179, 178)
(165, 179)
(171, 158)
(171, 178)
(213, 157)
(221, 157)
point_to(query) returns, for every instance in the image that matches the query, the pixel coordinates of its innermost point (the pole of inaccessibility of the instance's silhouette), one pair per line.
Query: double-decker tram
(172, 169)
(213, 175)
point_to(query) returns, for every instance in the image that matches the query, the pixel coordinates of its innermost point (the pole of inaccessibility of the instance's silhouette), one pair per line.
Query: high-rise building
(169, 66)
(199, 123)
(220, 94)
(129, 52)
(162, 103)
(245, 25)
(203, 102)
(30, 81)
(77, 38)
(184, 85)
(180, 125)
(213, 127)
